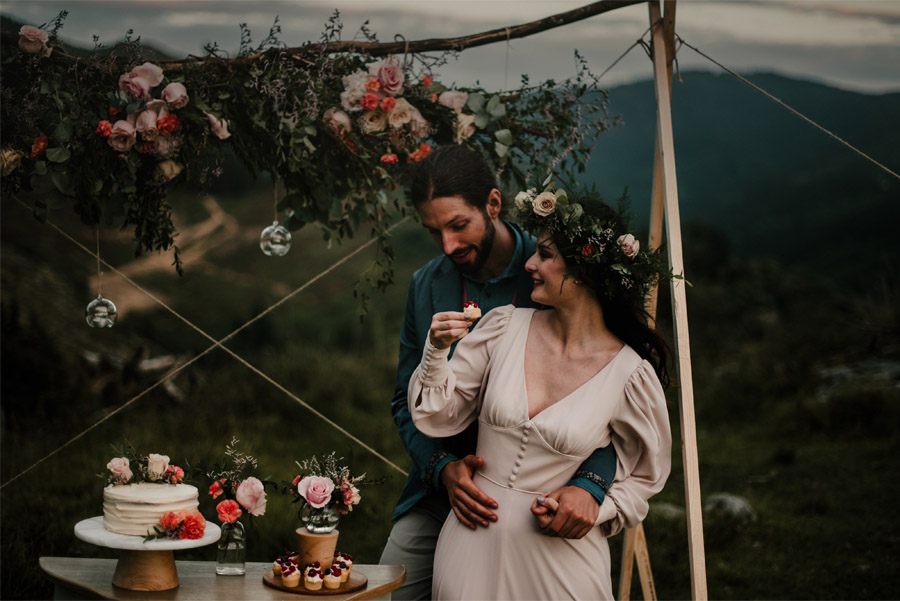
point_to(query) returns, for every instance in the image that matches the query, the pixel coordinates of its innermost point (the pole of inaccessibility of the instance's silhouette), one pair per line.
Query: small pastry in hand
(290, 576)
(313, 579)
(332, 577)
(471, 310)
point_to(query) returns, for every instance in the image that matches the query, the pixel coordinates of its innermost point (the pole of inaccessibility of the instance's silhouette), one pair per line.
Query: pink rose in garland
(316, 490)
(175, 95)
(390, 75)
(123, 136)
(33, 40)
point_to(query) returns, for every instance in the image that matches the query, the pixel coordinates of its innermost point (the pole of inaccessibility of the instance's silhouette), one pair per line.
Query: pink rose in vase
(252, 495)
(316, 490)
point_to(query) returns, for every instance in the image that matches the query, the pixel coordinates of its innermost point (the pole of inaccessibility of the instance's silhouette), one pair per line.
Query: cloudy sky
(853, 44)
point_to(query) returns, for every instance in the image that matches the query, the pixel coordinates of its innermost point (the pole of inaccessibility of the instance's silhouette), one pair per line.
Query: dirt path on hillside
(220, 229)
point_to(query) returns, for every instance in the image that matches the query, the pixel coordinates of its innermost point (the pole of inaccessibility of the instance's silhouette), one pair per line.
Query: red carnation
(434, 97)
(104, 128)
(229, 511)
(39, 146)
(390, 158)
(168, 124)
(387, 104)
(373, 85)
(370, 101)
(170, 520)
(194, 526)
(587, 250)
(215, 489)
(421, 153)
(427, 80)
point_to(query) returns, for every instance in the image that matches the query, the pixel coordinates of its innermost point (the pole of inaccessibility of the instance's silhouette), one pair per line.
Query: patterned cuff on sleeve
(595, 478)
(434, 365)
(435, 464)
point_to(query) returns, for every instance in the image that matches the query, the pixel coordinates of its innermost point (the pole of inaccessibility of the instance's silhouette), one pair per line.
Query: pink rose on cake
(157, 465)
(316, 490)
(120, 470)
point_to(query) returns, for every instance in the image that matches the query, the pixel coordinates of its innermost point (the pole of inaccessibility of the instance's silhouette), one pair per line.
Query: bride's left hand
(574, 516)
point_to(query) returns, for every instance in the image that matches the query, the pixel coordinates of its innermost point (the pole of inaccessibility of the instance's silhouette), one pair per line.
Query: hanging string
(275, 182)
(99, 273)
(640, 41)
(506, 63)
(797, 113)
(216, 344)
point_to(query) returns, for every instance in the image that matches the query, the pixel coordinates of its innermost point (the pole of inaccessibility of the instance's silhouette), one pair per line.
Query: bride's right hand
(447, 327)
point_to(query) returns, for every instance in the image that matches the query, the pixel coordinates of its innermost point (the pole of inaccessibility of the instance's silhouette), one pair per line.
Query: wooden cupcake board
(355, 582)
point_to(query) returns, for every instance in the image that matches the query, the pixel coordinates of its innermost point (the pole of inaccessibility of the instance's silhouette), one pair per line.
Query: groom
(456, 196)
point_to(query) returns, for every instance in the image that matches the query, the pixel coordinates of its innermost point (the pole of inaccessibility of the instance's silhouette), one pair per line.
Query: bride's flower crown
(594, 240)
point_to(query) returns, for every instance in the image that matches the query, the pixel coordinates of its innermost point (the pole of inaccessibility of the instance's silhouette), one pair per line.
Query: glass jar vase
(232, 550)
(319, 521)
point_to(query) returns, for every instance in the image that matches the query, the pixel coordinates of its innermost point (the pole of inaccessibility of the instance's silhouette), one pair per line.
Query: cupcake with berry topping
(332, 577)
(290, 576)
(344, 568)
(313, 578)
(471, 310)
(345, 558)
(280, 563)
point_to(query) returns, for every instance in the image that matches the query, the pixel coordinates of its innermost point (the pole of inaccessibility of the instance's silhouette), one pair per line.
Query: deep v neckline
(565, 398)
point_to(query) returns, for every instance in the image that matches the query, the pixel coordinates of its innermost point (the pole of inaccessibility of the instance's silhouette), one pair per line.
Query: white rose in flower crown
(523, 197)
(465, 127)
(629, 245)
(372, 122)
(454, 99)
(401, 114)
(545, 204)
(354, 90)
(252, 495)
(157, 465)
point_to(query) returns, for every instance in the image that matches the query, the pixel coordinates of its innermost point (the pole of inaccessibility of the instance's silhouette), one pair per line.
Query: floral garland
(109, 133)
(595, 240)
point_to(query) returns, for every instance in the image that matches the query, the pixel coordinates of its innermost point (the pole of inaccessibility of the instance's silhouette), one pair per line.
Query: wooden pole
(635, 546)
(666, 146)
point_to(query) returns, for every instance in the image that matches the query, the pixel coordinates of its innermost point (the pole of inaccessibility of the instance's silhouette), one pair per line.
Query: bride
(548, 387)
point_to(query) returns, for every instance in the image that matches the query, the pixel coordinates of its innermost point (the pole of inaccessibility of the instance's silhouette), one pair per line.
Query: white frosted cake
(136, 508)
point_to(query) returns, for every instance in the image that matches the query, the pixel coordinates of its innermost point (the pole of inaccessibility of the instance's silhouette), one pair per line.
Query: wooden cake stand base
(142, 566)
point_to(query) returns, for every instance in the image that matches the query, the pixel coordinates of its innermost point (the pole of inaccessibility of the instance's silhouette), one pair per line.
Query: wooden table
(85, 578)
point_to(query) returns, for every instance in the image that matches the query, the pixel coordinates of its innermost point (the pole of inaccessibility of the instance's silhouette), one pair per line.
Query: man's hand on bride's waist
(471, 506)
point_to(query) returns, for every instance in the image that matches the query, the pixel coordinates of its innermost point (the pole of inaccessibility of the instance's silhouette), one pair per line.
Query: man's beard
(482, 250)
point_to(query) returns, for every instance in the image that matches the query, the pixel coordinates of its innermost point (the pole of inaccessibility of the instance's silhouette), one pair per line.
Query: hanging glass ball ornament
(275, 240)
(100, 313)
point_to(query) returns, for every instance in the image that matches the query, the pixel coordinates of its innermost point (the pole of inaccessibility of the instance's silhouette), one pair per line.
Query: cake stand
(142, 566)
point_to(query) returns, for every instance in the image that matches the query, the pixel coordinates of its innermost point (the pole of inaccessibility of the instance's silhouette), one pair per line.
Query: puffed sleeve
(643, 442)
(445, 396)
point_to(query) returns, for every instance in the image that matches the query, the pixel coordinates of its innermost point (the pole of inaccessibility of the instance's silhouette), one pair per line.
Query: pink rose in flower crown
(390, 75)
(629, 245)
(120, 469)
(252, 495)
(175, 95)
(229, 511)
(33, 40)
(122, 136)
(316, 490)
